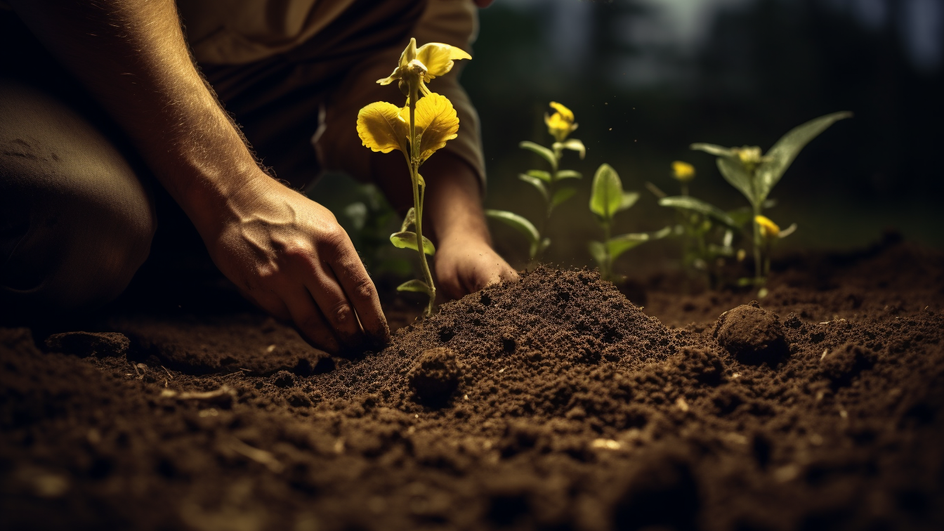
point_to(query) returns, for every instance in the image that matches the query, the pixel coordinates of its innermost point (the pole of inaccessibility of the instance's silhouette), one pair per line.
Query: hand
(466, 265)
(290, 256)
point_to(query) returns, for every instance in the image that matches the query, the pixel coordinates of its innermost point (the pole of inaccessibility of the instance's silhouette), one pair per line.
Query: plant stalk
(418, 196)
(758, 266)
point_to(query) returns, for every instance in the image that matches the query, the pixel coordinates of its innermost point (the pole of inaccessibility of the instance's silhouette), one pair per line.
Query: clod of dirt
(752, 335)
(85, 344)
(843, 364)
(434, 376)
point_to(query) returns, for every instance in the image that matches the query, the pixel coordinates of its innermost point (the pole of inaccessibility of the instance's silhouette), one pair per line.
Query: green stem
(607, 272)
(549, 206)
(758, 265)
(418, 196)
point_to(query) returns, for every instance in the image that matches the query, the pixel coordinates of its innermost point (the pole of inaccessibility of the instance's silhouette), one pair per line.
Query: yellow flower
(768, 229)
(683, 171)
(561, 123)
(384, 127)
(419, 66)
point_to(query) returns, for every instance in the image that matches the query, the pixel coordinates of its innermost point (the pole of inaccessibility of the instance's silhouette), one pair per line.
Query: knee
(76, 219)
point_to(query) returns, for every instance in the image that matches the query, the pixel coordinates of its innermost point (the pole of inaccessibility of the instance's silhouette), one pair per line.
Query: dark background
(646, 78)
(741, 73)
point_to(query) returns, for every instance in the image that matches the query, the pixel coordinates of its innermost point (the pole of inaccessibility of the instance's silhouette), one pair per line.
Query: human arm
(284, 252)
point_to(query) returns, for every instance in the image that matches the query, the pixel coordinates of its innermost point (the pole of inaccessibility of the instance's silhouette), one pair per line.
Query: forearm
(132, 57)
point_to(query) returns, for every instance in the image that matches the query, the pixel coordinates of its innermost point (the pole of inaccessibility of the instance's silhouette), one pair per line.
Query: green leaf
(620, 244)
(741, 216)
(567, 174)
(697, 205)
(408, 220)
(787, 231)
(606, 193)
(598, 251)
(415, 286)
(572, 144)
(628, 200)
(562, 194)
(543, 175)
(407, 240)
(734, 172)
(545, 153)
(519, 222)
(537, 183)
(788, 147)
(713, 150)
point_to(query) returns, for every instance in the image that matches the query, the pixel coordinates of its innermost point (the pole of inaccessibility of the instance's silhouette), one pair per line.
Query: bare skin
(286, 253)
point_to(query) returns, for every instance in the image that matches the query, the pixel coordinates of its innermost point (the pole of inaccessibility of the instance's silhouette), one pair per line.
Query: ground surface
(554, 403)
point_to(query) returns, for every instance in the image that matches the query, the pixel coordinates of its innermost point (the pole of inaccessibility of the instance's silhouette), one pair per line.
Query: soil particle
(752, 335)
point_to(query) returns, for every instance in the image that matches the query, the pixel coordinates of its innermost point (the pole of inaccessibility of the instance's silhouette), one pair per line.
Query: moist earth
(551, 403)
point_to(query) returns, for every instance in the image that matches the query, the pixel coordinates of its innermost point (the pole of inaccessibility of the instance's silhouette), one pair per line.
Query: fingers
(360, 291)
(311, 323)
(461, 275)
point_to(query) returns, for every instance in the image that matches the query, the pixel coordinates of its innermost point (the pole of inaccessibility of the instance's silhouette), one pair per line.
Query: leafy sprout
(607, 198)
(755, 174)
(418, 129)
(551, 185)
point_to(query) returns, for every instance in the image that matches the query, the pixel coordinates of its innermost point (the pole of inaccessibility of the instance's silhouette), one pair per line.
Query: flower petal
(381, 129)
(565, 114)
(438, 58)
(396, 75)
(436, 123)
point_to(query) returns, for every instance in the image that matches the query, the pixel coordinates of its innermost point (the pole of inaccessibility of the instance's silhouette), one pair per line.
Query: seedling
(707, 231)
(547, 183)
(755, 175)
(418, 129)
(607, 198)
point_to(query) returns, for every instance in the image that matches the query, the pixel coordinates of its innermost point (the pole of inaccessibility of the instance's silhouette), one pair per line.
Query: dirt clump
(89, 343)
(435, 375)
(752, 335)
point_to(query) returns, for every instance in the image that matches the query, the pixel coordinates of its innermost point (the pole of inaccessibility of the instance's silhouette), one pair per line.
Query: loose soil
(551, 403)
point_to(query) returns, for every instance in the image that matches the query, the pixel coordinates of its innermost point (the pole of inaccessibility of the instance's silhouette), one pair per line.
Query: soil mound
(552, 403)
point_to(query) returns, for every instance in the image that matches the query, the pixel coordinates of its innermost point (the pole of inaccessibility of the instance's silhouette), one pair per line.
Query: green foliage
(607, 198)
(549, 187)
(755, 176)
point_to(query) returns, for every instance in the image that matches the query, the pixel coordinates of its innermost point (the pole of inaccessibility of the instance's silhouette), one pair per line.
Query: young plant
(418, 129)
(699, 226)
(547, 183)
(755, 175)
(607, 198)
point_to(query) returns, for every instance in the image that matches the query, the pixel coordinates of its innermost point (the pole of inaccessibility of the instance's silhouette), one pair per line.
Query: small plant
(707, 231)
(547, 183)
(755, 175)
(607, 198)
(418, 129)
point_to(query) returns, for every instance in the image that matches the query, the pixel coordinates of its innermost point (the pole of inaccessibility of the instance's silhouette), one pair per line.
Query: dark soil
(552, 403)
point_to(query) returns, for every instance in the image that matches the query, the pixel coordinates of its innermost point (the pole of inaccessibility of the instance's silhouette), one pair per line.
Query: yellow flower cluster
(561, 123)
(384, 127)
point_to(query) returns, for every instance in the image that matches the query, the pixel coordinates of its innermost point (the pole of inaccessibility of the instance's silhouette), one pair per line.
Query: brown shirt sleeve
(453, 22)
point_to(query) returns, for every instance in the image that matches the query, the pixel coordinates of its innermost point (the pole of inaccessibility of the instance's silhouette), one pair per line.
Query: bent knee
(76, 219)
